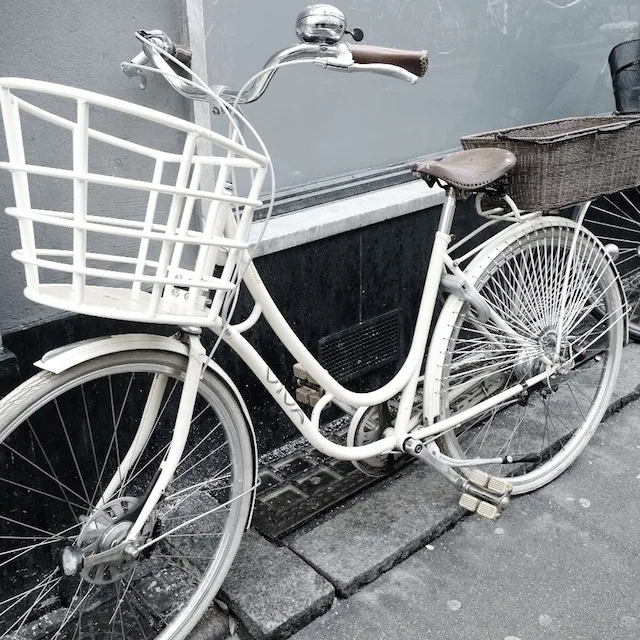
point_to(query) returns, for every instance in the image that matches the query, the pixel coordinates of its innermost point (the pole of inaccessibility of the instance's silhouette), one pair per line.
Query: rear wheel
(63, 438)
(615, 220)
(538, 434)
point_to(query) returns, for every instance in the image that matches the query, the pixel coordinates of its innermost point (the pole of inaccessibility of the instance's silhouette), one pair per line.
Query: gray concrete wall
(81, 44)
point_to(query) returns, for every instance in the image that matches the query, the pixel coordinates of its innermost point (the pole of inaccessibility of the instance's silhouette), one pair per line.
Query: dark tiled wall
(321, 287)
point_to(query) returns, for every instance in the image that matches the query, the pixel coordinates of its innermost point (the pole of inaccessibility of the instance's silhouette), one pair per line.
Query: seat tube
(407, 398)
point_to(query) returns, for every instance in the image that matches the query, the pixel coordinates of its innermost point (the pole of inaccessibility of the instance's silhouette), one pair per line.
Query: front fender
(64, 358)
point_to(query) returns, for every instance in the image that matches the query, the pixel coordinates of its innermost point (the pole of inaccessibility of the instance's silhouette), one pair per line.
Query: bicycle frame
(412, 424)
(408, 419)
(405, 382)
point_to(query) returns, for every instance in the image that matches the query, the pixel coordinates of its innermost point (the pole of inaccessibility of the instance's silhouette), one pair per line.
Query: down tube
(292, 409)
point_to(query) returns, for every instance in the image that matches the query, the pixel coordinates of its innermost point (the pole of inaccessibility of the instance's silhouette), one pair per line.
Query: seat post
(448, 210)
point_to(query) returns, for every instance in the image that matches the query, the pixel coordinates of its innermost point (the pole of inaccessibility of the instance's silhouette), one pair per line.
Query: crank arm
(481, 493)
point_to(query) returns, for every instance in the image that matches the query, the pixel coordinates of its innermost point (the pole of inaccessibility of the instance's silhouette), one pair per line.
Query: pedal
(499, 486)
(485, 494)
(483, 509)
(308, 396)
(488, 511)
(469, 502)
(482, 493)
(308, 391)
(302, 374)
(490, 483)
(479, 478)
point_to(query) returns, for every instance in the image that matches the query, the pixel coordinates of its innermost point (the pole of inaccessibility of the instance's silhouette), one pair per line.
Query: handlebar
(396, 63)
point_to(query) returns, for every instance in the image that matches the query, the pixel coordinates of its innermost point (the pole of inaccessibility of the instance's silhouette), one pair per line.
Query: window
(494, 63)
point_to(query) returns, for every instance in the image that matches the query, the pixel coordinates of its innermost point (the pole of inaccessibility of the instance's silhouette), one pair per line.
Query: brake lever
(163, 41)
(133, 71)
(386, 70)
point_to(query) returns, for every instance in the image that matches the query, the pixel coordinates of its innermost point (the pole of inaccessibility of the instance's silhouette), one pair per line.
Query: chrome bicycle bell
(320, 23)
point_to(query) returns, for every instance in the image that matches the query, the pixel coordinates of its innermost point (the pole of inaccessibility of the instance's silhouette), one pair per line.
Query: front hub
(105, 529)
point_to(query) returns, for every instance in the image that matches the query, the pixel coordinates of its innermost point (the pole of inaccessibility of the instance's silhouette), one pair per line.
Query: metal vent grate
(298, 483)
(362, 348)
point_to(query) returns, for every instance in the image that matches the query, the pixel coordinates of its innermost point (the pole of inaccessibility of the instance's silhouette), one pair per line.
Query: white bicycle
(128, 464)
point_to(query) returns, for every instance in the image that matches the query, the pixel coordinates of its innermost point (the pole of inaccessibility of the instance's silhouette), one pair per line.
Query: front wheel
(63, 440)
(537, 434)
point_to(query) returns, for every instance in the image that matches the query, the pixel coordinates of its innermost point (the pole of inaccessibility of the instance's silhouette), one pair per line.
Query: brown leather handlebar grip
(416, 62)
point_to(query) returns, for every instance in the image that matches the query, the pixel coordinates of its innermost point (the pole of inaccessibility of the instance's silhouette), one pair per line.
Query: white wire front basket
(113, 221)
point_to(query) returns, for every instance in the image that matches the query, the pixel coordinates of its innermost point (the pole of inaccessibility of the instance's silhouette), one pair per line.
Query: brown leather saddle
(470, 170)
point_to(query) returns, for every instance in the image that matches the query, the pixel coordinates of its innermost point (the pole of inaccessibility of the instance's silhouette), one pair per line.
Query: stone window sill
(322, 221)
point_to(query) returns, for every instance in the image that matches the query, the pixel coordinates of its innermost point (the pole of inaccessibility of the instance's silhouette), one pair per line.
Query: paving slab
(380, 528)
(537, 573)
(272, 591)
(628, 383)
(214, 625)
(601, 491)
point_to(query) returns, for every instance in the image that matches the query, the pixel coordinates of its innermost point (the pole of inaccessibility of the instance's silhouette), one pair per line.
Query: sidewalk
(561, 563)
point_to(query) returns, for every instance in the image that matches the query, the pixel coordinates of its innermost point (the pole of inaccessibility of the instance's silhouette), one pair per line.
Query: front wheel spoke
(224, 506)
(122, 597)
(65, 488)
(21, 551)
(71, 612)
(136, 617)
(46, 586)
(157, 456)
(72, 451)
(199, 462)
(80, 507)
(187, 492)
(16, 599)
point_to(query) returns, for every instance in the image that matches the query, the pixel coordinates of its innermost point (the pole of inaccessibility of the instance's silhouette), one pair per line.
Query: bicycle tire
(61, 438)
(520, 278)
(615, 220)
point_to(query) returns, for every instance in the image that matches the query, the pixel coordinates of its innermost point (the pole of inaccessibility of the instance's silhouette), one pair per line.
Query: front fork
(196, 359)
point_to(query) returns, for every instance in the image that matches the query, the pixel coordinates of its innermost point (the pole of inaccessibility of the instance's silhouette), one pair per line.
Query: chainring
(365, 428)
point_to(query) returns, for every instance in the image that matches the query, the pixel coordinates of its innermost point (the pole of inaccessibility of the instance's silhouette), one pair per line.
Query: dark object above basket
(624, 64)
(563, 162)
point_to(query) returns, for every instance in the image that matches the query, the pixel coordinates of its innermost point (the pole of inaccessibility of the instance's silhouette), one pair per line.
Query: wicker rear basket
(563, 162)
